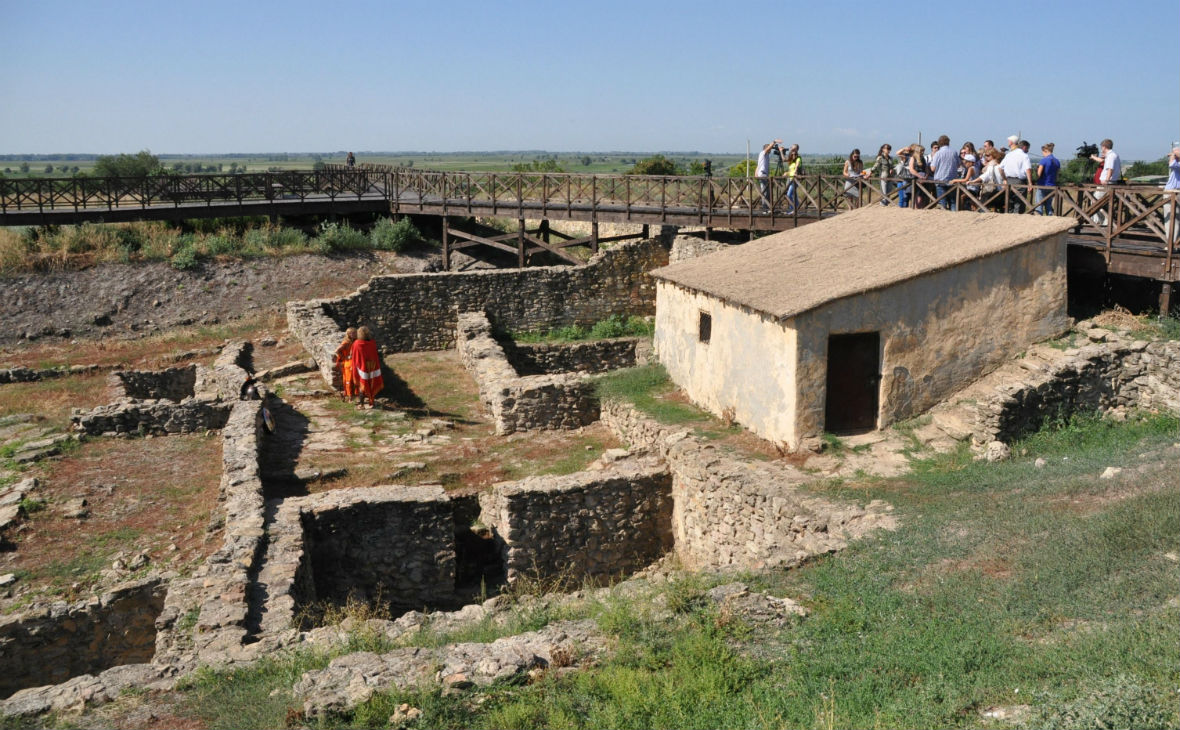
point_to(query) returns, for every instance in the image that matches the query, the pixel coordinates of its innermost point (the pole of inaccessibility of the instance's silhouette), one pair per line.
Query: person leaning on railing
(902, 173)
(968, 170)
(991, 180)
(1172, 191)
(1047, 170)
(882, 168)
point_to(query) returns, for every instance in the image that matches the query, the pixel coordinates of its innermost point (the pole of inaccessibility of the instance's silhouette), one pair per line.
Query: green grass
(1006, 584)
(647, 388)
(615, 325)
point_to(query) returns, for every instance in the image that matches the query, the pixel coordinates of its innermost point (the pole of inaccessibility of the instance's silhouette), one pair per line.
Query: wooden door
(854, 379)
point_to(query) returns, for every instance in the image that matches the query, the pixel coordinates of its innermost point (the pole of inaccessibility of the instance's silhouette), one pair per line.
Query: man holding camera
(762, 170)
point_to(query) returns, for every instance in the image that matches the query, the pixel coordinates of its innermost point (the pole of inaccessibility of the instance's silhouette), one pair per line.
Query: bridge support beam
(1165, 298)
(520, 243)
(594, 236)
(446, 242)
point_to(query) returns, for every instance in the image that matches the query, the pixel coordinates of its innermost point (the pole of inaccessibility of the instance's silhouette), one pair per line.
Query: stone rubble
(353, 679)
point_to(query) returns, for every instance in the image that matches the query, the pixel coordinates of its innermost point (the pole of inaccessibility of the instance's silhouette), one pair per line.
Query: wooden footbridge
(1123, 229)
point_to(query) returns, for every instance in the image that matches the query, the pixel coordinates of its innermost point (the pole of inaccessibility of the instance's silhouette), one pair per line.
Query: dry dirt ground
(106, 510)
(128, 300)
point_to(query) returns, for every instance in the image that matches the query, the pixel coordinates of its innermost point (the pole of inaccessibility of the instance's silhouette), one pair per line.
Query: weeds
(615, 325)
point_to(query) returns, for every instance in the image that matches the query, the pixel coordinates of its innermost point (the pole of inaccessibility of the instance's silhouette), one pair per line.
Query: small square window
(705, 327)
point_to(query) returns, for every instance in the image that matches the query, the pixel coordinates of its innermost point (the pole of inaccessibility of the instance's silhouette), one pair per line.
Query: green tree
(142, 164)
(24, 167)
(654, 165)
(549, 165)
(586, 161)
(745, 168)
(1141, 168)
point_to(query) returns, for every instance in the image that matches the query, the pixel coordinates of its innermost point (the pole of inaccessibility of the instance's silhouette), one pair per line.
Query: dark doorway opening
(854, 378)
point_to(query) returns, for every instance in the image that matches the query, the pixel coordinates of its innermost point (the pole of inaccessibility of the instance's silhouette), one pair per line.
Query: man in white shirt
(1112, 174)
(762, 170)
(1017, 171)
(1112, 166)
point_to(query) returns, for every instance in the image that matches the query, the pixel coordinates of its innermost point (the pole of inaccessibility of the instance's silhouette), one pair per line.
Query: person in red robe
(343, 360)
(366, 365)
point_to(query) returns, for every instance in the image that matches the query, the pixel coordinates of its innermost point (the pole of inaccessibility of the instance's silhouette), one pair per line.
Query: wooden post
(446, 240)
(644, 232)
(520, 243)
(545, 230)
(594, 236)
(1165, 298)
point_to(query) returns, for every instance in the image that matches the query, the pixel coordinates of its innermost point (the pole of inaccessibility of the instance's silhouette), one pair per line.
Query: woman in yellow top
(794, 166)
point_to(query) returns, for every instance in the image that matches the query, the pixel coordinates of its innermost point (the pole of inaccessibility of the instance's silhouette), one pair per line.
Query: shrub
(390, 235)
(745, 168)
(341, 237)
(618, 326)
(219, 245)
(184, 256)
(654, 165)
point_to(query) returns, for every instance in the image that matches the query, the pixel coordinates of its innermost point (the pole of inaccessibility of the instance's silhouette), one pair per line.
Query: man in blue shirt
(946, 168)
(1047, 170)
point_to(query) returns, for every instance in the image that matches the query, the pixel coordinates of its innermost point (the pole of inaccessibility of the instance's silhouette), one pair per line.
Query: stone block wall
(730, 514)
(516, 403)
(691, 247)
(411, 312)
(1108, 372)
(157, 417)
(176, 400)
(392, 543)
(174, 384)
(593, 523)
(597, 356)
(51, 645)
(220, 587)
(230, 369)
(23, 374)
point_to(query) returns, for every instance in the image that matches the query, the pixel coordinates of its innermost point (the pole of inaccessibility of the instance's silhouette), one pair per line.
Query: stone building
(860, 320)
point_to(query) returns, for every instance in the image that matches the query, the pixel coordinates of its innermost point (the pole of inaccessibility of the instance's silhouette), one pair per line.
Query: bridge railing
(80, 193)
(1130, 217)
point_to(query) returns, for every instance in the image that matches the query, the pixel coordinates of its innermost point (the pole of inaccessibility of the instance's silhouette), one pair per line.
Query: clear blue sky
(302, 76)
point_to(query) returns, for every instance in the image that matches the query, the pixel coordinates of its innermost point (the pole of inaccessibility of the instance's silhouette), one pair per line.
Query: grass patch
(647, 388)
(615, 325)
(1006, 584)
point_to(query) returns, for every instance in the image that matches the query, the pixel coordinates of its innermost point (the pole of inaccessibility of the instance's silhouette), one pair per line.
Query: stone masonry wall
(157, 417)
(564, 401)
(412, 312)
(230, 369)
(392, 543)
(593, 523)
(176, 400)
(1107, 372)
(597, 356)
(729, 514)
(174, 384)
(63, 641)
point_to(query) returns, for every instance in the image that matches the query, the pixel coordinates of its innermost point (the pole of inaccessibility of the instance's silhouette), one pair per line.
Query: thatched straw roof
(871, 248)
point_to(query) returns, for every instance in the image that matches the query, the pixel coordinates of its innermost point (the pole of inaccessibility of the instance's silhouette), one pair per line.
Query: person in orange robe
(343, 360)
(366, 364)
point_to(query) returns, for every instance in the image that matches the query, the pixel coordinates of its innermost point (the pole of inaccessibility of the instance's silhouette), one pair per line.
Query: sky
(597, 75)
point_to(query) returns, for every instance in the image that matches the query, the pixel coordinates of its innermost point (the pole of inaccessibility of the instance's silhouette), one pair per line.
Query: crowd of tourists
(993, 178)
